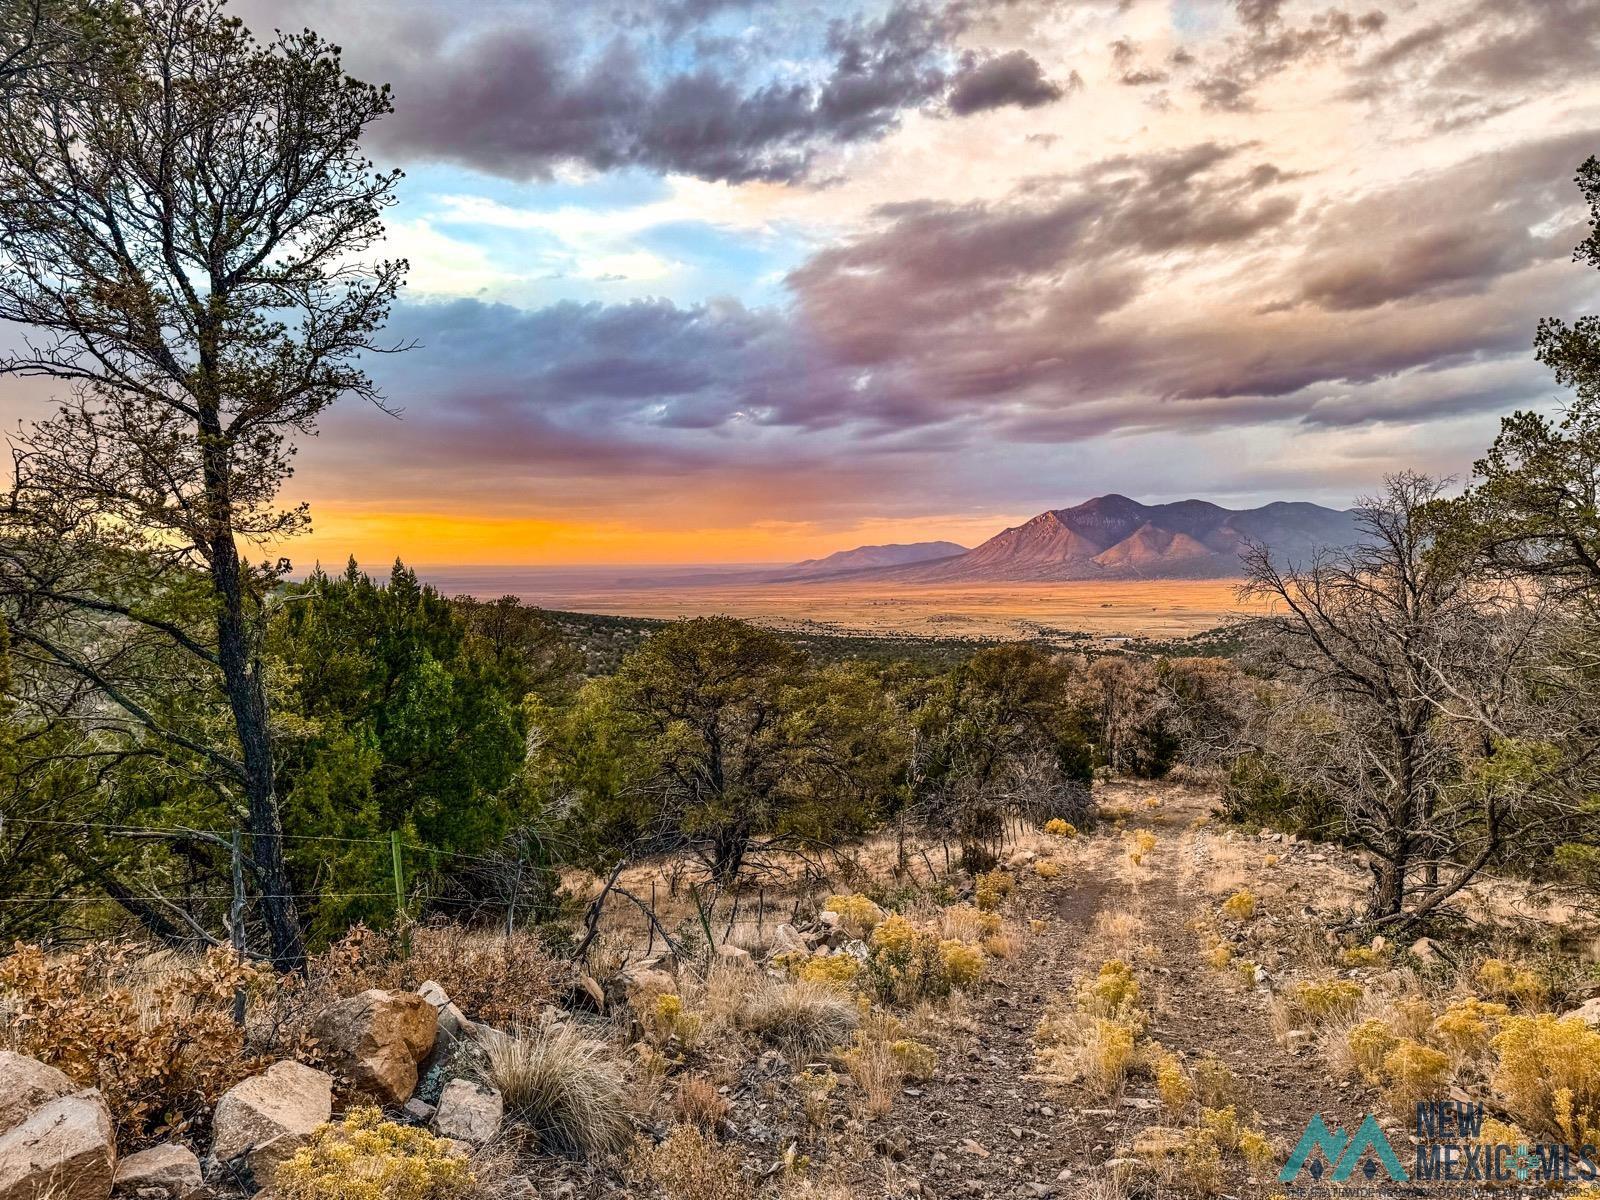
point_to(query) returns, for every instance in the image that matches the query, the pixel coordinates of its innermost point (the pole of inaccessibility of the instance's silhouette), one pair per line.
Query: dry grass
(689, 1165)
(877, 1067)
(800, 1017)
(698, 1102)
(570, 1091)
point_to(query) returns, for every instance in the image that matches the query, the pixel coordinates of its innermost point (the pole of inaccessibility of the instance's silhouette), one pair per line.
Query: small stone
(419, 1110)
(170, 1171)
(971, 1147)
(734, 956)
(1426, 950)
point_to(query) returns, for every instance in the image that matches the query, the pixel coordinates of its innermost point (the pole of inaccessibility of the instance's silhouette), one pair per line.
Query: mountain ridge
(1115, 538)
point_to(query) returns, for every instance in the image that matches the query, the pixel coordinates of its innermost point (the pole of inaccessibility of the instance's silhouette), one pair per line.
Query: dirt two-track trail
(986, 1125)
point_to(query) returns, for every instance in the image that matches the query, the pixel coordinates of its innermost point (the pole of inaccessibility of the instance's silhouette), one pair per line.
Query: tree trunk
(1388, 889)
(247, 699)
(727, 855)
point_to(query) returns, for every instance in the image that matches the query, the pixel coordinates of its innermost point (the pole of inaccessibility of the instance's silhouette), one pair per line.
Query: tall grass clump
(570, 1091)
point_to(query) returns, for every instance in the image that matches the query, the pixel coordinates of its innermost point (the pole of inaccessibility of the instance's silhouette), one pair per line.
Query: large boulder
(65, 1149)
(266, 1118)
(469, 1112)
(377, 1038)
(26, 1085)
(169, 1171)
(1588, 1012)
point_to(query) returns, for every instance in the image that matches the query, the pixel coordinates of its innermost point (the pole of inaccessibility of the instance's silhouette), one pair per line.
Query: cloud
(1270, 45)
(521, 97)
(1011, 78)
(1483, 59)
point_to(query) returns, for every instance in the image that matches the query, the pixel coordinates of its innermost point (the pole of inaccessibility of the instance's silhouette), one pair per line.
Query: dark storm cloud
(1012, 78)
(519, 97)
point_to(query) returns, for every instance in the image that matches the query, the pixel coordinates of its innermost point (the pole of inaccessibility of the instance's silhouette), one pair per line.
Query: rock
(453, 1023)
(469, 1112)
(65, 1149)
(1425, 949)
(170, 1171)
(26, 1085)
(269, 1116)
(828, 919)
(638, 981)
(1159, 1141)
(734, 956)
(377, 1038)
(1021, 858)
(419, 1110)
(1588, 1012)
(786, 939)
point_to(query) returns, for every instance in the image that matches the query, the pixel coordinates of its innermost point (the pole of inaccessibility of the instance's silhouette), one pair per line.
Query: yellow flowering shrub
(365, 1157)
(916, 1059)
(1111, 1053)
(1240, 906)
(991, 889)
(1548, 1069)
(1467, 1025)
(1047, 869)
(1141, 843)
(963, 963)
(1173, 1084)
(1113, 992)
(667, 1018)
(1256, 1149)
(1220, 956)
(1328, 999)
(858, 915)
(838, 971)
(1058, 827)
(1411, 1016)
(1214, 1083)
(1415, 1073)
(1512, 983)
(1369, 1044)
(1501, 1133)
(895, 936)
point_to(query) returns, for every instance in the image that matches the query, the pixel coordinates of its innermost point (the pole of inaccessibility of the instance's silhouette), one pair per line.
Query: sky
(755, 280)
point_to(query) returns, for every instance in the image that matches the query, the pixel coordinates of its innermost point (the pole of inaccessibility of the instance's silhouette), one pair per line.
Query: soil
(987, 1127)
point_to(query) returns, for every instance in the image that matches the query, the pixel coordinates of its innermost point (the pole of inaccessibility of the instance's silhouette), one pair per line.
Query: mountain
(1113, 537)
(864, 558)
